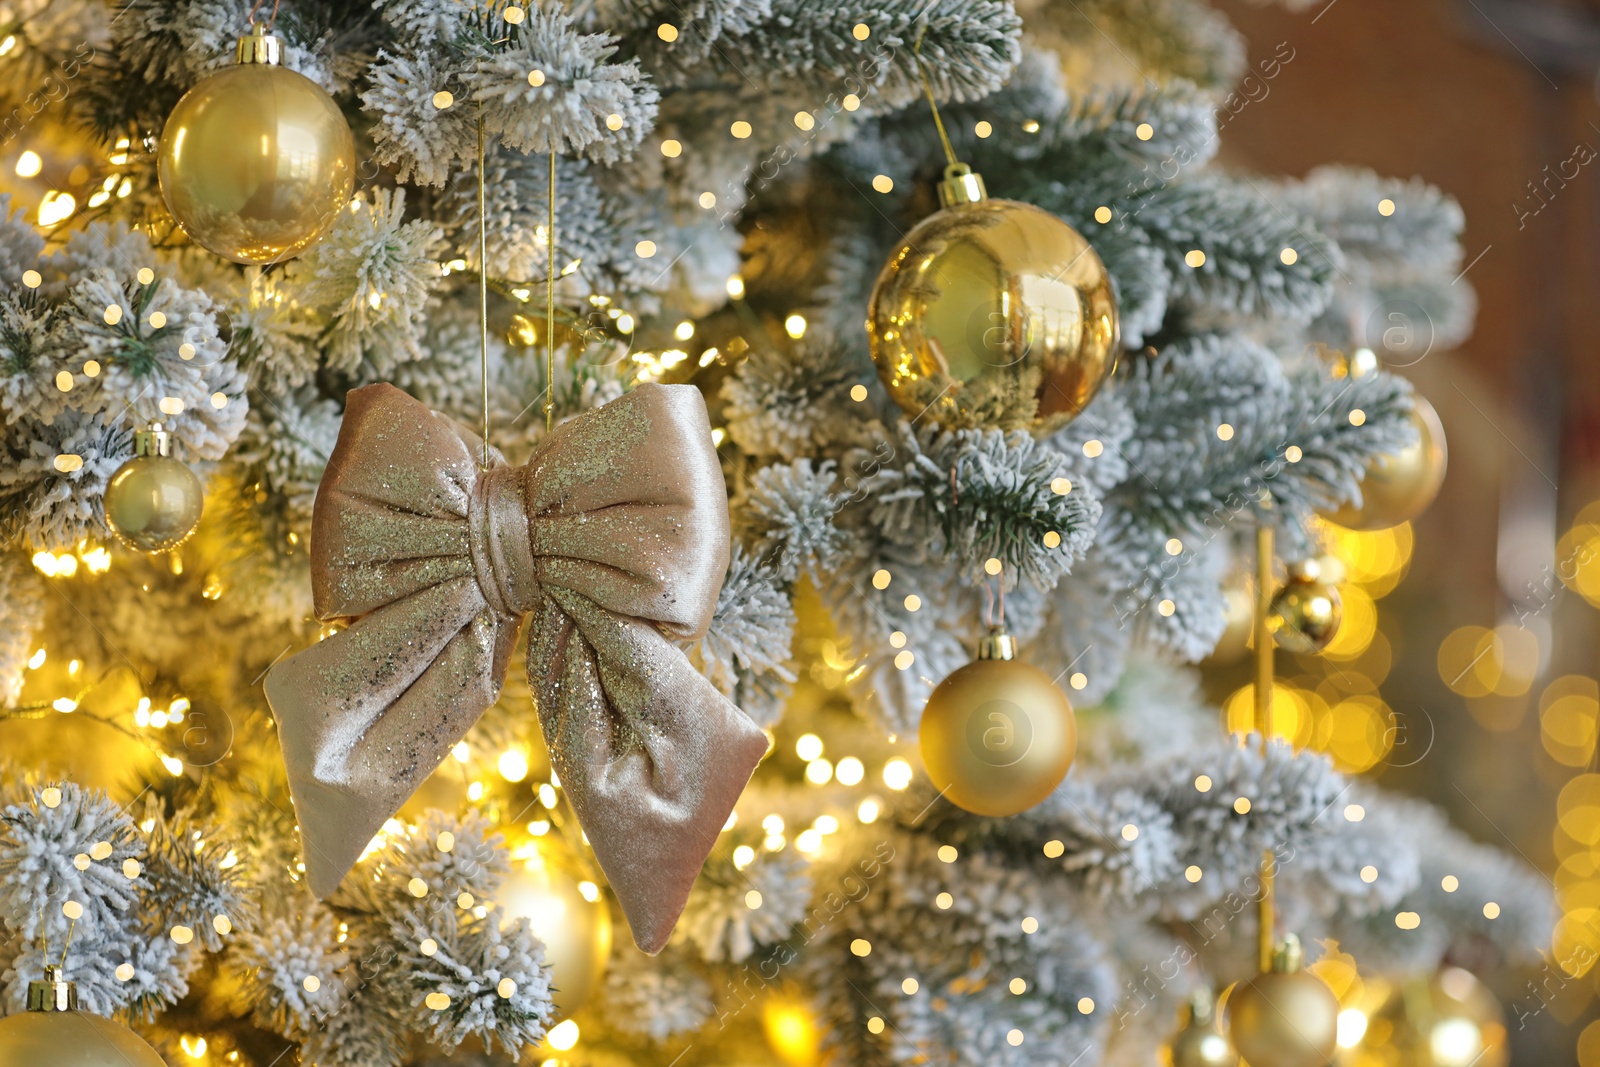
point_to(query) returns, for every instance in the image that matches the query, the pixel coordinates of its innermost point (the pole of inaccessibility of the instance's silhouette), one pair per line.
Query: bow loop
(614, 535)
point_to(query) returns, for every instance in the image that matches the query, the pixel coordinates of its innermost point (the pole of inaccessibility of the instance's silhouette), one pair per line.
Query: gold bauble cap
(1289, 957)
(155, 441)
(260, 47)
(52, 993)
(1202, 1008)
(961, 186)
(997, 644)
(1304, 570)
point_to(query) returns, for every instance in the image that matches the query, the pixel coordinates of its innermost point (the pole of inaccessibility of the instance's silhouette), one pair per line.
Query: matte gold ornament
(1447, 1020)
(54, 1033)
(1285, 1018)
(998, 735)
(567, 912)
(992, 313)
(1401, 485)
(1306, 612)
(1200, 1042)
(256, 161)
(153, 502)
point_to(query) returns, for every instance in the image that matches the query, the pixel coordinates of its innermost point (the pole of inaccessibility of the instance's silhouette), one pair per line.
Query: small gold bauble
(1200, 1042)
(256, 161)
(52, 1033)
(545, 888)
(992, 313)
(1285, 1018)
(1306, 612)
(1447, 1020)
(1399, 486)
(997, 735)
(153, 502)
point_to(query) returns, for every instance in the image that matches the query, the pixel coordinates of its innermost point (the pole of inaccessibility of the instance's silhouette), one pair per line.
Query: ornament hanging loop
(1267, 907)
(483, 289)
(272, 19)
(927, 88)
(550, 304)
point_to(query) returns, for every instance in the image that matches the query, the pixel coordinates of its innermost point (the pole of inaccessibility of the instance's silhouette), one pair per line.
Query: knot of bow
(612, 539)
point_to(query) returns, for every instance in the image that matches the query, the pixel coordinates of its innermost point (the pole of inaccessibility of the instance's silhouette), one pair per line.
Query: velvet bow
(611, 540)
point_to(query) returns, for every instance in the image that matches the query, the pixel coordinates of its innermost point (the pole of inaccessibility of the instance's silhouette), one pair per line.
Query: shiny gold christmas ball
(71, 1039)
(1200, 1042)
(997, 736)
(1306, 612)
(1399, 486)
(1284, 1019)
(567, 912)
(256, 162)
(153, 503)
(1447, 1020)
(996, 314)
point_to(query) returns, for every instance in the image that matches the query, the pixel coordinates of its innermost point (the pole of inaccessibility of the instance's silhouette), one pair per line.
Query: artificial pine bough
(730, 173)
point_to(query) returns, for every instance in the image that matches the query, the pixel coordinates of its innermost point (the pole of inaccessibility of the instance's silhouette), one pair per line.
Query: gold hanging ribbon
(1263, 725)
(550, 305)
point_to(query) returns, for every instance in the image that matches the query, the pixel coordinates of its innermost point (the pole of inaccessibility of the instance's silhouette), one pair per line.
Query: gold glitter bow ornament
(613, 538)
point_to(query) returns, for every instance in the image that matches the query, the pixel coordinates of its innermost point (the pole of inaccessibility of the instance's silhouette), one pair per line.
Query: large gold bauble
(71, 1039)
(1200, 1042)
(545, 888)
(997, 735)
(1284, 1020)
(256, 162)
(1399, 486)
(1306, 612)
(993, 314)
(1447, 1020)
(153, 503)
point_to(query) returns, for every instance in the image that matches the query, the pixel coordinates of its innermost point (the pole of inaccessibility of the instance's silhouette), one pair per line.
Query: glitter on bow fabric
(613, 540)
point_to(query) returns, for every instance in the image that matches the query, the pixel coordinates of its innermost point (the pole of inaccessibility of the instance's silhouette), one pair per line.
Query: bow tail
(366, 715)
(652, 757)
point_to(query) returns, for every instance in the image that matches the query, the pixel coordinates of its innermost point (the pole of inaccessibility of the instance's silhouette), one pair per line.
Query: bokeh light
(1568, 710)
(1375, 560)
(1475, 661)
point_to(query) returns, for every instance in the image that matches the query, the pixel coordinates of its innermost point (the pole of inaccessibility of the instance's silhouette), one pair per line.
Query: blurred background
(1484, 630)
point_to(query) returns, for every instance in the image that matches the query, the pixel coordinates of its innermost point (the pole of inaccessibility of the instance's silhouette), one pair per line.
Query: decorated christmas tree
(614, 533)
